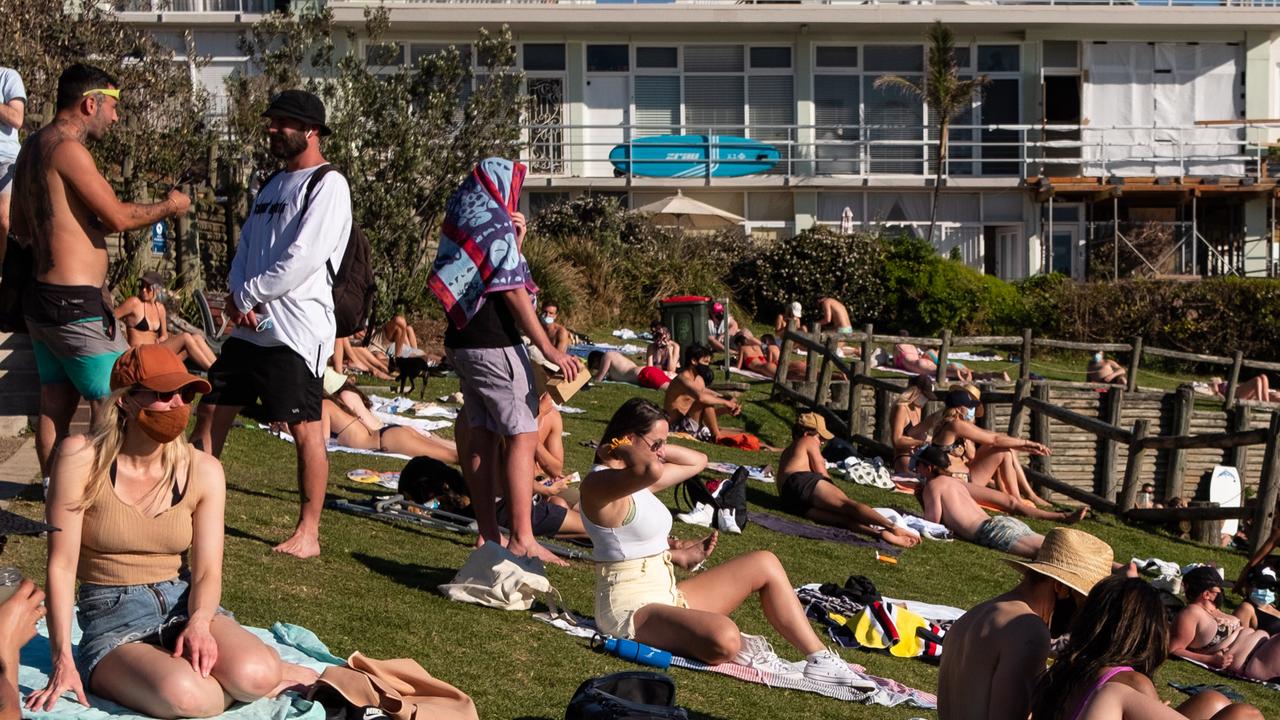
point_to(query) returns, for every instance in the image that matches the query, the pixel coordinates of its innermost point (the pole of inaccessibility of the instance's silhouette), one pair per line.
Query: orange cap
(154, 367)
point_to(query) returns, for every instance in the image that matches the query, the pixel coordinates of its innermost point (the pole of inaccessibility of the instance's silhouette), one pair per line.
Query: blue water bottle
(633, 651)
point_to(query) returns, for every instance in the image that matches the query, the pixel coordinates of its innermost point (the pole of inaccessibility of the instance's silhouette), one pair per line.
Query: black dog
(407, 369)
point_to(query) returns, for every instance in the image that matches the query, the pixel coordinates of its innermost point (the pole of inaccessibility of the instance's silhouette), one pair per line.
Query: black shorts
(796, 490)
(547, 517)
(276, 376)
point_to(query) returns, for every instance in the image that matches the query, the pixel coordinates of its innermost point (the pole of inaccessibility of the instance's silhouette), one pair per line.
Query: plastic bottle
(637, 652)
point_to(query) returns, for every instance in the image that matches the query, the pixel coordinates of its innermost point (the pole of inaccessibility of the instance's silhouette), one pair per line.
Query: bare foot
(900, 537)
(536, 551)
(294, 677)
(689, 554)
(1072, 518)
(302, 544)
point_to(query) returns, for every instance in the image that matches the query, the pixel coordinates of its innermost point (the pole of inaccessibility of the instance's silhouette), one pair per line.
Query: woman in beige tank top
(130, 501)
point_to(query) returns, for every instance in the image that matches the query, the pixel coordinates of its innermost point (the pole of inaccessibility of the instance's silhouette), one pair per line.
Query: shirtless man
(559, 334)
(806, 488)
(613, 365)
(833, 317)
(951, 501)
(1202, 632)
(692, 407)
(63, 208)
(997, 650)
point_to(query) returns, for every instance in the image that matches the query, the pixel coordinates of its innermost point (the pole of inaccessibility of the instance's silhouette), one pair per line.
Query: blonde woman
(908, 425)
(131, 502)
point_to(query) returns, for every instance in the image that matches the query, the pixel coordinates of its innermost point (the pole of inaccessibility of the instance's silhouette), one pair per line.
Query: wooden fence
(1107, 440)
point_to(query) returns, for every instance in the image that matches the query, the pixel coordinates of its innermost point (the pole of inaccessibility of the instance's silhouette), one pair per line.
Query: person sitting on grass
(953, 503)
(982, 457)
(997, 649)
(399, 336)
(613, 366)
(637, 595)
(691, 406)
(559, 334)
(346, 418)
(751, 355)
(1103, 369)
(349, 357)
(1258, 388)
(783, 320)
(720, 328)
(136, 503)
(1258, 611)
(663, 353)
(147, 321)
(908, 426)
(1202, 632)
(806, 489)
(1118, 640)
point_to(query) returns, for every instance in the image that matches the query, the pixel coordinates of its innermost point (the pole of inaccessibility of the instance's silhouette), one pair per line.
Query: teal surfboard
(691, 156)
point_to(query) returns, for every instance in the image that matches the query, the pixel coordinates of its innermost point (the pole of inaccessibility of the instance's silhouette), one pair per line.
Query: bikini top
(143, 325)
(1227, 627)
(1103, 679)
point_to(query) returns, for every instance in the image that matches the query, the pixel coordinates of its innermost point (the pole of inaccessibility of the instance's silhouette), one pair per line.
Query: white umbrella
(846, 221)
(686, 212)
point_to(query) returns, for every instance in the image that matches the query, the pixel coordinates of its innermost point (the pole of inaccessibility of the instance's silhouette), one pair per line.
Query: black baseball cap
(935, 456)
(1200, 579)
(299, 105)
(960, 397)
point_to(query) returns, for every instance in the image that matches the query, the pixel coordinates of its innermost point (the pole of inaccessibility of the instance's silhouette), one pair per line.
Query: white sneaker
(756, 653)
(726, 522)
(827, 667)
(701, 514)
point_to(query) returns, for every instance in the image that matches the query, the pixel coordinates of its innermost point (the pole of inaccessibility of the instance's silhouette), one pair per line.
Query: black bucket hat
(299, 105)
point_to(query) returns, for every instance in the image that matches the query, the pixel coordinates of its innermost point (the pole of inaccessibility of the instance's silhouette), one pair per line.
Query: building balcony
(242, 7)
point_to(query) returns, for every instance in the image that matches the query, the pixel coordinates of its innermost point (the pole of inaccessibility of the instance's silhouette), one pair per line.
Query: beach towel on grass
(478, 251)
(888, 692)
(295, 644)
(1233, 676)
(809, 531)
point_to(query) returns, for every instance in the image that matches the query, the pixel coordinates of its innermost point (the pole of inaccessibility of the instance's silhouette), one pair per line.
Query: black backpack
(354, 286)
(632, 695)
(731, 496)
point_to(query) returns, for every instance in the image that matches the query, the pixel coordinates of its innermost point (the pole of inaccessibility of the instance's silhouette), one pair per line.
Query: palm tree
(944, 92)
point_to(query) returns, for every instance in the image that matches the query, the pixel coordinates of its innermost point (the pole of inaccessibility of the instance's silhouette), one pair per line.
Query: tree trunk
(943, 130)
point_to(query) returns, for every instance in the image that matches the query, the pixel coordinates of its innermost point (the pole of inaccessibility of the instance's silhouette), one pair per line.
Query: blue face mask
(547, 319)
(971, 413)
(1097, 357)
(1263, 597)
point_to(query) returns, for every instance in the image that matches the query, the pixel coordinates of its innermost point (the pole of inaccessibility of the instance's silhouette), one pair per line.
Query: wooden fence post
(1040, 432)
(1112, 408)
(784, 358)
(855, 401)
(1018, 411)
(1237, 457)
(1233, 380)
(1133, 467)
(1024, 362)
(884, 404)
(822, 392)
(1134, 362)
(868, 348)
(988, 419)
(942, 358)
(1183, 405)
(811, 367)
(1268, 488)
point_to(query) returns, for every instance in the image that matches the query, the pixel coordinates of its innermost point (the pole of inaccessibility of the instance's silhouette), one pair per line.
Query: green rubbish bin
(686, 317)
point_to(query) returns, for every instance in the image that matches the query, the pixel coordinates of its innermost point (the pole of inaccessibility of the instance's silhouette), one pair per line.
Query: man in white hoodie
(281, 302)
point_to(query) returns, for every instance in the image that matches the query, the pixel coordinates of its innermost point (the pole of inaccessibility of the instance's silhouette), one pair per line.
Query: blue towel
(295, 644)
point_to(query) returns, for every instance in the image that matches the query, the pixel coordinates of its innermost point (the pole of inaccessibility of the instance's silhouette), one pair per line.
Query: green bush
(816, 263)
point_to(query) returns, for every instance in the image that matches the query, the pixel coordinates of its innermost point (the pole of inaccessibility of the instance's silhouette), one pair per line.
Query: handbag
(631, 695)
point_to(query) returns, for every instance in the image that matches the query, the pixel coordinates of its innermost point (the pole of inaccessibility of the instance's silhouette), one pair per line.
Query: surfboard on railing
(692, 156)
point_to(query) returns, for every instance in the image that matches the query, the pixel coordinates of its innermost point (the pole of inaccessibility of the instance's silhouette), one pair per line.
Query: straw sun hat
(1072, 557)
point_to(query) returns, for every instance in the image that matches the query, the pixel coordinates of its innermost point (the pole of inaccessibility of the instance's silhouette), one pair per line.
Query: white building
(1094, 110)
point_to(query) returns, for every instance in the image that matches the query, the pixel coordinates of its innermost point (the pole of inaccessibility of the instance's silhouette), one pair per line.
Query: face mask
(705, 373)
(970, 413)
(921, 401)
(1263, 597)
(1097, 357)
(1064, 611)
(164, 425)
(548, 319)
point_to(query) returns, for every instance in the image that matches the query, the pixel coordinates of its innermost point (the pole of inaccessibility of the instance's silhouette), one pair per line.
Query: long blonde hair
(107, 439)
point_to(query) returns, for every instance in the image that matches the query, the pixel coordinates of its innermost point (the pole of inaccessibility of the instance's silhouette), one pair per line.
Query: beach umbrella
(686, 212)
(846, 221)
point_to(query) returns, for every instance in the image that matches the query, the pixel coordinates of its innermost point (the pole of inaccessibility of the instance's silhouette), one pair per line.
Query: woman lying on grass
(346, 417)
(131, 501)
(637, 595)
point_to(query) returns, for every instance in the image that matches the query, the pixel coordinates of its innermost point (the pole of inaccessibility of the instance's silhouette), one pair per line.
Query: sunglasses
(166, 396)
(109, 92)
(655, 446)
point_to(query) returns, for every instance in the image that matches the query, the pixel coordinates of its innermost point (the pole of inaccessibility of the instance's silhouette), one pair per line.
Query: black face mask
(1064, 611)
(705, 373)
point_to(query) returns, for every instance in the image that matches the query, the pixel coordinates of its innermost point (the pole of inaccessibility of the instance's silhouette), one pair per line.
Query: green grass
(373, 590)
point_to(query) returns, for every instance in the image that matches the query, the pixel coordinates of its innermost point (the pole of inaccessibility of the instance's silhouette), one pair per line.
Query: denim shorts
(112, 615)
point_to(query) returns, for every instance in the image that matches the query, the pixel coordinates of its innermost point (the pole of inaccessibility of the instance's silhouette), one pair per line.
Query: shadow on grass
(258, 493)
(414, 577)
(765, 500)
(238, 533)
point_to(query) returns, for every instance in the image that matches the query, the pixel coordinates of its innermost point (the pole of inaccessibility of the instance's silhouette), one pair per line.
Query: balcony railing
(1254, 4)
(200, 6)
(713, 153)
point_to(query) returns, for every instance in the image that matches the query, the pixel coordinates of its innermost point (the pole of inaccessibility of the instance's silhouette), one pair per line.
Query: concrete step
(19, 383)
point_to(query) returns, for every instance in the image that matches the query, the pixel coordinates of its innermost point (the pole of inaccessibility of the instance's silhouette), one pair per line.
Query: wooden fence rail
(1031, 406)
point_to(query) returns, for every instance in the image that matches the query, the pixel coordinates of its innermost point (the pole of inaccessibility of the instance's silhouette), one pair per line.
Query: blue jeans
(112, 615)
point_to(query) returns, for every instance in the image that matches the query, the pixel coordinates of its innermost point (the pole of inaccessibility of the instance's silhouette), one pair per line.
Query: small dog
(407, 369)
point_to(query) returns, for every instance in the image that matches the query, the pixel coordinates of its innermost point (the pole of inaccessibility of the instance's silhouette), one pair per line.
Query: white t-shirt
(11, 88)
(280, 263)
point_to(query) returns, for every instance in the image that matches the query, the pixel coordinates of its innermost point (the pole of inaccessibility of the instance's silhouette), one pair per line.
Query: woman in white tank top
(637, 595)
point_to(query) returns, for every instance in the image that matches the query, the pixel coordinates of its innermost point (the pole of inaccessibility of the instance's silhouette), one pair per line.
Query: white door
(1009, 253)
(605, 117)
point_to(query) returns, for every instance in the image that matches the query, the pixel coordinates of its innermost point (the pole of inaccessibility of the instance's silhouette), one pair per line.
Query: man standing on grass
(64, 209)
(996, 651)
(282, 305)
(481, 277)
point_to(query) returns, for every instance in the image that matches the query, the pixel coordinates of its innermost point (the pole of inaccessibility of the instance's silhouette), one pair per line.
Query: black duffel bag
(628, 695)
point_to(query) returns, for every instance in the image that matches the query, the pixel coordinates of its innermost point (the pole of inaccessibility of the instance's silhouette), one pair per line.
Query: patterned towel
(478, 250)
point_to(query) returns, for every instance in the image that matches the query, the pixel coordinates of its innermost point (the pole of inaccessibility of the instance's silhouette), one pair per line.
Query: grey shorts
(689, 426)
(497, 388)
(6, 176)
(1000, 532)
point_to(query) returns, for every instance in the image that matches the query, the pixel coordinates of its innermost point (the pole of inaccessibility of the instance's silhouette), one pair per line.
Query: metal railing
(1207, 4)
(199, 6)
(1014, 151)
